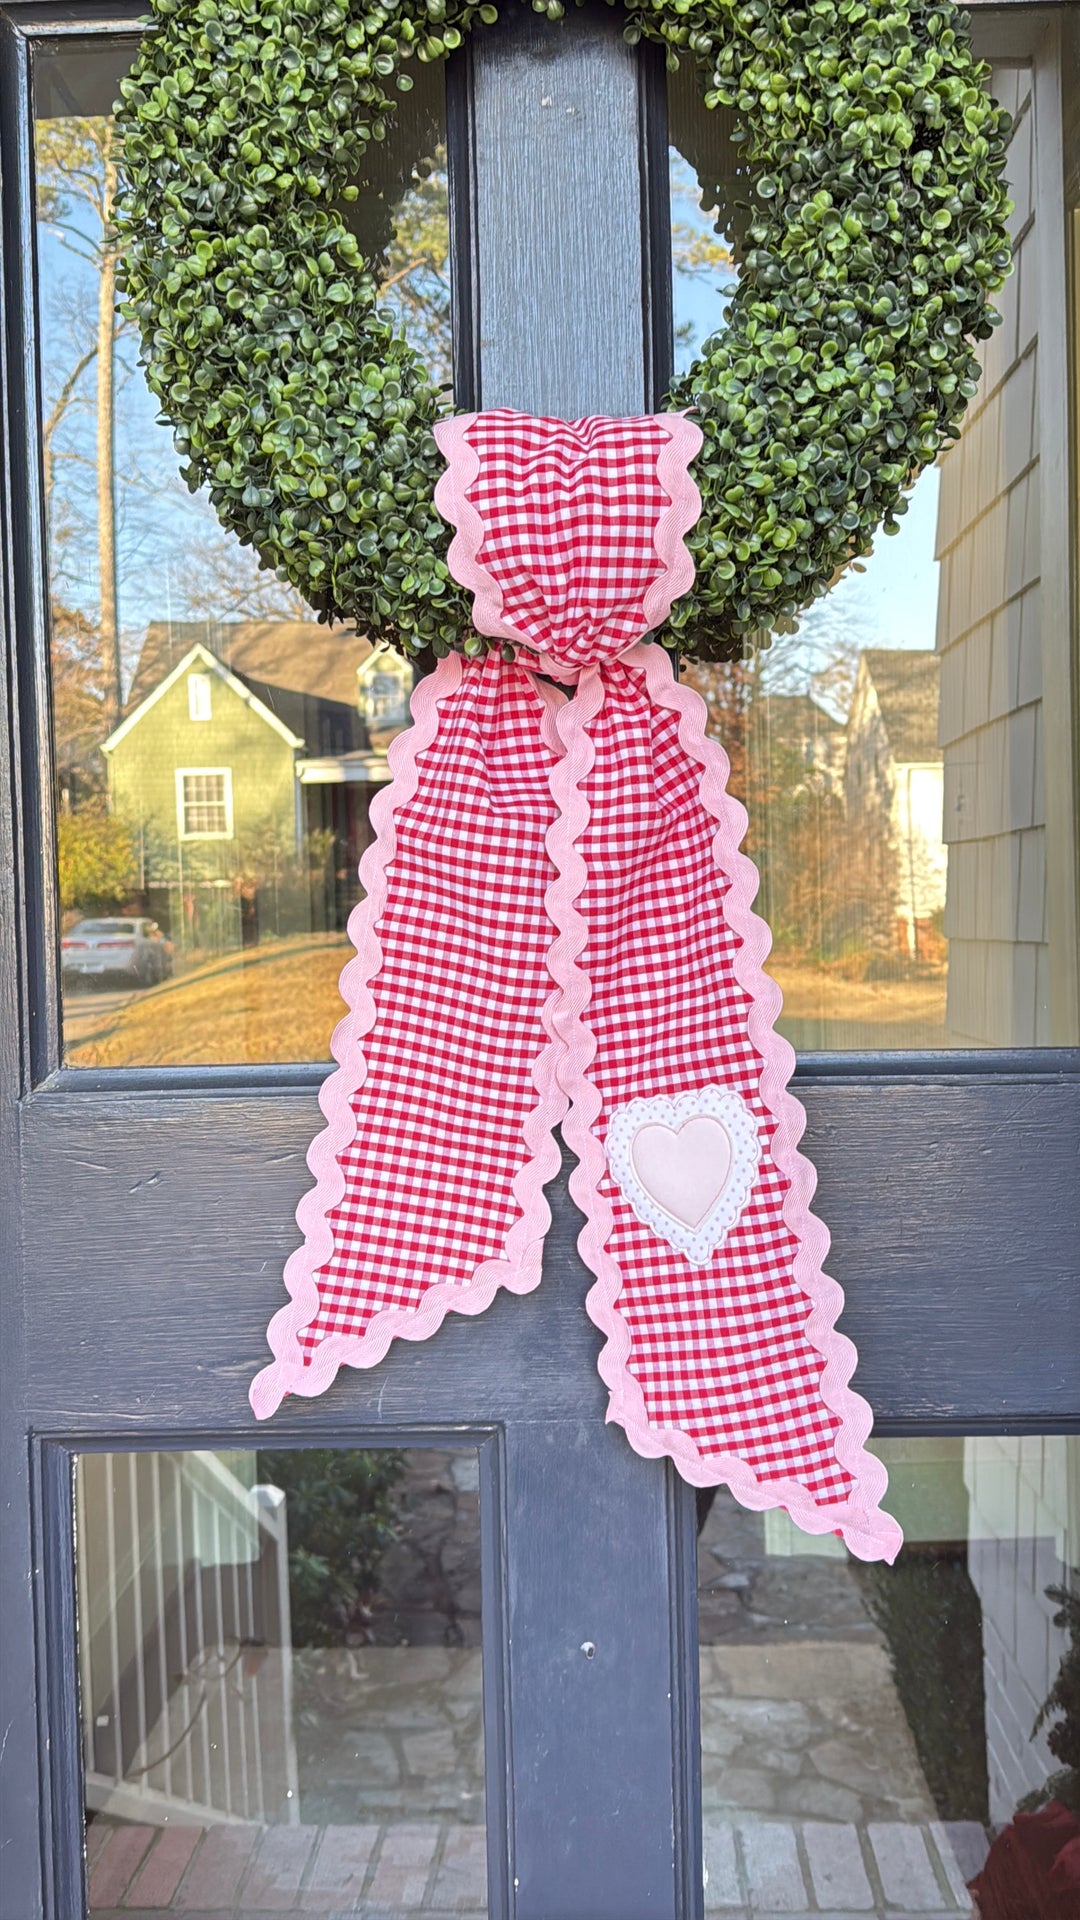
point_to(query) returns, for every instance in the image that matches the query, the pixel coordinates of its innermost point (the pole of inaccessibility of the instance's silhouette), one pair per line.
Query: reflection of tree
(342, 1516)
(827, 882)
(728, 688)
(97, 858)
(821, 658)
(123, 532)
(701, 250)
(80, 709)
(224, 581)
(61, 405)
(416, 277)
(1063, 1700)
(139, 521)
(138, 512)
(76, 168)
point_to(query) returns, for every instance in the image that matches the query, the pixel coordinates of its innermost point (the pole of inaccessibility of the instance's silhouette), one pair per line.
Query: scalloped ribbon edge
(869, 1533)
(684, 440)
(520, 1268)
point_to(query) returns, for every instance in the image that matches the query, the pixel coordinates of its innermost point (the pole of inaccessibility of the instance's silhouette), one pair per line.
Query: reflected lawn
(279, 1002)
(275, 1002)
(824, 1011)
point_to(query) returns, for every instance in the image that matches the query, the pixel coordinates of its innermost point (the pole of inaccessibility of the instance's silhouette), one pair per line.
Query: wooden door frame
(959, 1261)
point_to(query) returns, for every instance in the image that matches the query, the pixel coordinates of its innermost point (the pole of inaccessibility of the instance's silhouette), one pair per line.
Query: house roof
(199, 656)
(797, 716)
(370, 769)
(907, 682)
(299, 656)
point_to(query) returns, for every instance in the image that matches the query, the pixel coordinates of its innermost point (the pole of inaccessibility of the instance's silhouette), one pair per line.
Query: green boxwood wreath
(876, 239)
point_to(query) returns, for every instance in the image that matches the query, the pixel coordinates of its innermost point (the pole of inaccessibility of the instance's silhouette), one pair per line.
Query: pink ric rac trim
(869, 1533)
(519, 1269)
(684, 438)
(672, 471)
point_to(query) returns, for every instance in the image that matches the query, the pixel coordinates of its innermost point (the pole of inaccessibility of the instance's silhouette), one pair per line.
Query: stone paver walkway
(811, 1730)
(389, 1733)
(808, 1729)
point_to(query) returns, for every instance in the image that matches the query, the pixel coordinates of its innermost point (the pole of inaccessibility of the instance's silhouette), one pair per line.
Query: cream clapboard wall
(990, 643)
(1024, 1515)
(1024, 1540)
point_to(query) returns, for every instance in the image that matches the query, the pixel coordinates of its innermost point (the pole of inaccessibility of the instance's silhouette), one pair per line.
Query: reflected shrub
(97, 860)
(931, 1619)
(1063, 1737)
(341, 1516)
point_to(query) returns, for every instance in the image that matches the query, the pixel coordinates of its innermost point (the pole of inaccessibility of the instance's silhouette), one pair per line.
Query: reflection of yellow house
(247, 760)
(893, 787)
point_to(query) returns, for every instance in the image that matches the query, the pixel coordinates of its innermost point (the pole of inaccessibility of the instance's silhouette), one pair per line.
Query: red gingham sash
(558, 930)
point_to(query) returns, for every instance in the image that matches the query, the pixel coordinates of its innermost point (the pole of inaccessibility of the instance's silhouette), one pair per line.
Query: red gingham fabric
(720, 1354)
(558, 924)
(459, 996)
(569, 515)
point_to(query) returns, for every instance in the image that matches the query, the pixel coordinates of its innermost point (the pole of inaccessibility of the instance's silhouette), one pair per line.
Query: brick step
(756, 1870)
(237, 1872)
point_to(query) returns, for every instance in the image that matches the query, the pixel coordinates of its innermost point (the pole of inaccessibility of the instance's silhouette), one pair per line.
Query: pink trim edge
(669, 535)
(452, 501)
(868, 1533)
(519, 1270)
(684, 438)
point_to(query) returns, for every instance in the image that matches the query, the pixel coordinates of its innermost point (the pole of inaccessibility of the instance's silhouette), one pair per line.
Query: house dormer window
(384, 683)
(204, 803)
(199, 699)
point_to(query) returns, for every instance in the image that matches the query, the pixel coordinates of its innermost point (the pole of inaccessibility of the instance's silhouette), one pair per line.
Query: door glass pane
(279, 1657)
(216, 749)
(880, 1740)
(910, 792)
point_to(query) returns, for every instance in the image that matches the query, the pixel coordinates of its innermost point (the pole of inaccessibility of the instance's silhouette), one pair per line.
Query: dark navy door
(148, 1207)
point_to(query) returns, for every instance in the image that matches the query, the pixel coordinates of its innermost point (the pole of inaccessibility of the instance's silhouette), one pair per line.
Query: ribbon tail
(731, 1367)
(440, 1116)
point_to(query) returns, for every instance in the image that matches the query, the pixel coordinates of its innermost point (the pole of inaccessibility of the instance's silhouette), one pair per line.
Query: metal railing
(184, 1640)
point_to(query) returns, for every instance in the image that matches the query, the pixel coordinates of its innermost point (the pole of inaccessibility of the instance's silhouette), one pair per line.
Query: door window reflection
(280, 1678)
(216, 749)
(887, 1740)
(906, 784)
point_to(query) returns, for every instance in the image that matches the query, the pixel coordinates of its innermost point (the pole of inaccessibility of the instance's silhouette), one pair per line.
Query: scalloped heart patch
(686, 1165)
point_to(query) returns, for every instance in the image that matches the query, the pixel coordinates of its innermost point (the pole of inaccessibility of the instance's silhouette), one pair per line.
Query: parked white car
(136, 950)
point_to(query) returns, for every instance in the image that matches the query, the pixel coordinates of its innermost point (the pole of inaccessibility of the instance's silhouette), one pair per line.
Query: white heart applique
(686, 1165)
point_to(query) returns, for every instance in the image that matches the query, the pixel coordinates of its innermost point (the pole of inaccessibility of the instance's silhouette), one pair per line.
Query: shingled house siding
(991, 659)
